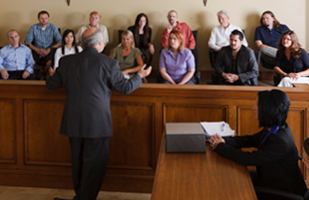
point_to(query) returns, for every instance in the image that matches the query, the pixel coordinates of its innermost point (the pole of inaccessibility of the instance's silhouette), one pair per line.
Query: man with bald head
(89, 78)
(16, 61)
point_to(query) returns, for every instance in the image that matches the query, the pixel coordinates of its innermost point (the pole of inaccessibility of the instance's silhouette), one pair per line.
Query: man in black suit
(89, 78)
(236, 63)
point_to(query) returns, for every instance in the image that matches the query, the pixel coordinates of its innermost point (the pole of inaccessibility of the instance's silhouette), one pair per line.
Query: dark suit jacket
(276, 160)
(89, 78)
(247, 66)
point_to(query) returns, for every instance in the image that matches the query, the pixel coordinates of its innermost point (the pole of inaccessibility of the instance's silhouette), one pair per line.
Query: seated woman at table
(129, 57)
(276, 157)
(176, 63)
(68, 47)
(292, 62)
(142, 36)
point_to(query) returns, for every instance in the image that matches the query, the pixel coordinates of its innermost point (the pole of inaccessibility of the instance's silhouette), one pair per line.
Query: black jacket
(89, 78)
(276, 160)
(247, 66)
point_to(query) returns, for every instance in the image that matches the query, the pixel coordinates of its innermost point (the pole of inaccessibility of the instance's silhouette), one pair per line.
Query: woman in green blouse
(129, 57)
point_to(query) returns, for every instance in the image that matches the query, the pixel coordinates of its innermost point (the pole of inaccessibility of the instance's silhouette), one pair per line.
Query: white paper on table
(222, 128)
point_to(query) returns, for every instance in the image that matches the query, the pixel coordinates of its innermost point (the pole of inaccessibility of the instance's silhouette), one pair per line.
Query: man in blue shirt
(43, 38)
(16, 60)
(267, 36)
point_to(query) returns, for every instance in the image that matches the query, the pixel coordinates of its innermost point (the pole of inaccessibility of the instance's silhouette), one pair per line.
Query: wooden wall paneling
(195, 112)
(131, 146)
(247, 124)
(296, 119)
(158, 125)
(8, 153)
(44, 146)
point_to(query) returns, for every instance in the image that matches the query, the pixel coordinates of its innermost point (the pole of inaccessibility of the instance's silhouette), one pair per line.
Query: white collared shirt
(220, 37)
(58, 53)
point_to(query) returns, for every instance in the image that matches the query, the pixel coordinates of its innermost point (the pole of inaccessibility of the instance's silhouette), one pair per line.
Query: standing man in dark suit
(89, 78)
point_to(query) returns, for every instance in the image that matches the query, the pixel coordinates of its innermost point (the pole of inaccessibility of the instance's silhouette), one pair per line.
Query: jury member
(267, 36)
(176, 63)
(94, 19)
(142, 36)
(129, 57)
(188, 38)
(220, 35)
(236, 64)
(16, 61)
(292, 62)
(43, 38)
(276, 157)
(88, 79)
(68, 47)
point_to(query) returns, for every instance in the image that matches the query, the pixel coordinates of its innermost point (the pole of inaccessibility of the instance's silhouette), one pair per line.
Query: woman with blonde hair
(292, 62)
(129, 57)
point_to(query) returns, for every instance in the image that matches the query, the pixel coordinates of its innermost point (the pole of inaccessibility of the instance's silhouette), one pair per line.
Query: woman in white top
(68, 47)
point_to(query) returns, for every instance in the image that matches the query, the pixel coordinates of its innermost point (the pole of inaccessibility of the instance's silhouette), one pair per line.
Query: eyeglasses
(288, 39)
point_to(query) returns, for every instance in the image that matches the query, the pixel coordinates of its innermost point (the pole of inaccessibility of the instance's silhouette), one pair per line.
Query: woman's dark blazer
(276, 160)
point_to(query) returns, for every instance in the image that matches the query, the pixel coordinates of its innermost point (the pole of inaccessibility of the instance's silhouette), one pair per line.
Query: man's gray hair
(12, 31)
(223, 12)
(93, 39)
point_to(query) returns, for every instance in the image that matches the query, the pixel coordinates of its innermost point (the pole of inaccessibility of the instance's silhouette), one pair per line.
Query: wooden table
(200, 176)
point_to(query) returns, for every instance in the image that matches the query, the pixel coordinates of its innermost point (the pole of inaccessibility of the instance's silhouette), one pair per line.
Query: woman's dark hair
(146, 30)
(295, 46)
(276, 23)
(65, 33)
(306, 146)
(273, 108)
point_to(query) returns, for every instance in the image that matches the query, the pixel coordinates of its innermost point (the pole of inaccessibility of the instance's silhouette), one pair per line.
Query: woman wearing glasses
(292, 62)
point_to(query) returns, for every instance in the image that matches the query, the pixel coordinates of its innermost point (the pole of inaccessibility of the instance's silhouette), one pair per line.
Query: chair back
(195, 32)
(119, 35)
(196, 75)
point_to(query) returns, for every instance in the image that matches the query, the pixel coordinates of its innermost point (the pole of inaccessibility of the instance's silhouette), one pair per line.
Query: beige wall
(119, 14)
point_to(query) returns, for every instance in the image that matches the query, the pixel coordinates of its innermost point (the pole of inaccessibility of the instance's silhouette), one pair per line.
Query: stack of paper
(221, 128)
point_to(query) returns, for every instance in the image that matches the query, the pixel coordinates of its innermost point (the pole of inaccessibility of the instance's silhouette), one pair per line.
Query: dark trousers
(17, 75)
(44, 60)
(89, 163)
